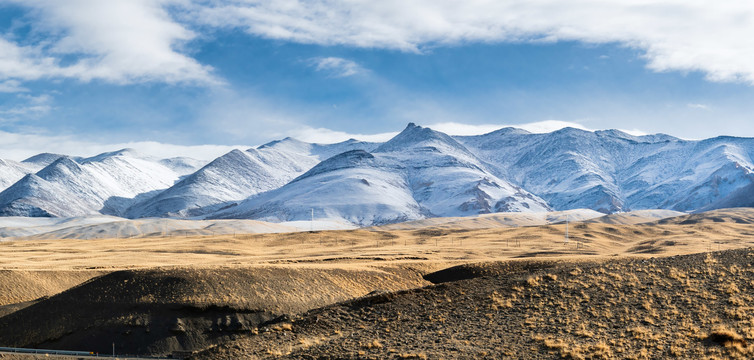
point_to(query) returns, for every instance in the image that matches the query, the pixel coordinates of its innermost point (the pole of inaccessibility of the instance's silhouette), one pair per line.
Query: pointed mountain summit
(449, 180)
(415, 137)
(354, 186)
(40, 161)
(106, 183)
(12, 171)
(419, 173)
(238, 175)
(127, 152)
(233, 176)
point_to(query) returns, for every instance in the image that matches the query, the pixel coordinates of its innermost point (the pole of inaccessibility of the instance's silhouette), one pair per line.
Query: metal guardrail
(80, 354)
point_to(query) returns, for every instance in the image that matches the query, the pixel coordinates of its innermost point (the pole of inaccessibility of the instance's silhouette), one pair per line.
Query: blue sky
(164, 76)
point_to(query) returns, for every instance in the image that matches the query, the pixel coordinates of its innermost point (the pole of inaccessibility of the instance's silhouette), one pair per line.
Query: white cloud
(12, 86)
(327, 136)
(337, 67)
(21, 146)
(685, 35)
(119, 41)
(538, 127)
(125, 41)
(27, 107)
(698, 106)
(634, 132)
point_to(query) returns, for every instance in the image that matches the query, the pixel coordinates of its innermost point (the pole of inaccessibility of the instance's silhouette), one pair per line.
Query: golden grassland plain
(689, 234)
(296, 273)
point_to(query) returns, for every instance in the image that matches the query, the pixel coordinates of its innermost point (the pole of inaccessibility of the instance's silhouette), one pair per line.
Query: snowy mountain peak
(127, 152)
(62, 167)
(618, 134)
(287, 144)
(43, 159)
(416, 137)
(572, 131)
(506, 131)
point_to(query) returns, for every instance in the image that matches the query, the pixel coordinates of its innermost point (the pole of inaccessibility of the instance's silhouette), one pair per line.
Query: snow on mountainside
(12, 171)
(419, 173)
(183, 165)
(102, 184)
(40, 161)
(238, 175)
(449, 180)
(355, 186)
(568, 168)
(612, 171)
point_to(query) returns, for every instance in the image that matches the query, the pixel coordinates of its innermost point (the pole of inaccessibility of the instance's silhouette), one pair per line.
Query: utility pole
(311, 225)
(566, 233)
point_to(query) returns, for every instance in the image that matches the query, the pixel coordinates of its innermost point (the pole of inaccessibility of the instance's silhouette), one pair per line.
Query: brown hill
(164, 310)
(636, 217)
(734, 215)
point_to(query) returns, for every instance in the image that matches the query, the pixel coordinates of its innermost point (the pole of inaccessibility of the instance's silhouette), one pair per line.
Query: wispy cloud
(336, 67)
(12, 86)
(17, 146)
(538, 127)
(698, 106)
(26, 107)
(634, 132)
(328, 136)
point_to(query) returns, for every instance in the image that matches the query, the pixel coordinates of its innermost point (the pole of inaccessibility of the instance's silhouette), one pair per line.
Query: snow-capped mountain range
(419, 173)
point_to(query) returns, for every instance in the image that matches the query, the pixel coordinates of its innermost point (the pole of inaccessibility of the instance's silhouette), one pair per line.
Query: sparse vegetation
(538, 299)
(609, 309)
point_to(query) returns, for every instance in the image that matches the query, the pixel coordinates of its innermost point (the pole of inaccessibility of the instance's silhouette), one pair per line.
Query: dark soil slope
(691, 307)
(157, 312)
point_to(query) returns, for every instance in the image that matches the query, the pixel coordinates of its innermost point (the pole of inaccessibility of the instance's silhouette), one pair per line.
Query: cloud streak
(337, 67)
(21, 146)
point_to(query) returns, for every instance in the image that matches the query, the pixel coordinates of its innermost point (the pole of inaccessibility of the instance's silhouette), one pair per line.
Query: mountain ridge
(421, 173)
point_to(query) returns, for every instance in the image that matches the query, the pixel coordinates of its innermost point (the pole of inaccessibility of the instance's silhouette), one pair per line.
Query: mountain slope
(507, 170)
(419, 173)
(238, 175)
(355, 186)
(40, 161)
(11, 171)
(611, 171)
(448, 180)
(106, 183)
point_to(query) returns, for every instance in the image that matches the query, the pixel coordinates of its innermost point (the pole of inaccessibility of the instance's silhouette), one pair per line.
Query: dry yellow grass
(357, 246)
(30, 269)
(278, 272)
(21, 286)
